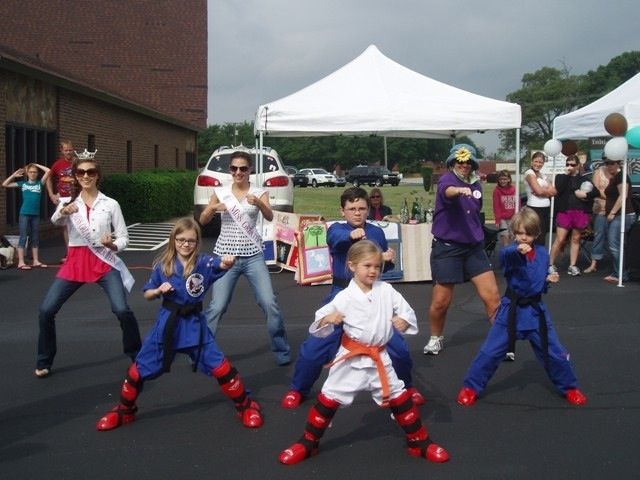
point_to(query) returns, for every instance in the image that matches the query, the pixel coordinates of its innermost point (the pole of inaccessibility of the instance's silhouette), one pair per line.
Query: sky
(260, 51)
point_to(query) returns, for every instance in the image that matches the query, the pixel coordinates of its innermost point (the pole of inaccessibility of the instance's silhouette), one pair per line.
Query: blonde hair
(528, 220)
(30, 165)
(361, 250)
(167, 259)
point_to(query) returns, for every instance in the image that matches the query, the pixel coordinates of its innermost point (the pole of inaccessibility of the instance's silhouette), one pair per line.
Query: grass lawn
(326, 200)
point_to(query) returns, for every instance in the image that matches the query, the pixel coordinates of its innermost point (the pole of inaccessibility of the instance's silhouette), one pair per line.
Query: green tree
(606, 78)
(550, 92)
(544, 95)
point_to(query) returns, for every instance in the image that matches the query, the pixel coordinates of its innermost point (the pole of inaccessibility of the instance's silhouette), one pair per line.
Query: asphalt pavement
(520, 428)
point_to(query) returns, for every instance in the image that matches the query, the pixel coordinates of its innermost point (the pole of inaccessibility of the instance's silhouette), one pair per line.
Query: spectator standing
(60, 183)
(573, 205)
(504, 205)
(613, 210)
(539, 192)
(600, 179)
(29, 217)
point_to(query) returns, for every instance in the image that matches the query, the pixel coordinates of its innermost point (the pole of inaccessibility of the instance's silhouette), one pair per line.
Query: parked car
(341, 181)
(318, 177)
(291, 170)
(300, 180)
(216, 174)
(372, 175)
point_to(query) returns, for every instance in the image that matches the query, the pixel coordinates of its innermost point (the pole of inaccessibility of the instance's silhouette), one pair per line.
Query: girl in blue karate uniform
(181, 277)
(523, 316)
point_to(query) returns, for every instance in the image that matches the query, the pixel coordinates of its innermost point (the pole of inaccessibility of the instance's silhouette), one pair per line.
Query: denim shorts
(572, 219)
(457, 262)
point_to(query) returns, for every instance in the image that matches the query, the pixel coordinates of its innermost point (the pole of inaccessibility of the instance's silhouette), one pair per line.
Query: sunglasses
(610, 162)
(234, 168)
(374, 196)
(572, 164)
(91, 172)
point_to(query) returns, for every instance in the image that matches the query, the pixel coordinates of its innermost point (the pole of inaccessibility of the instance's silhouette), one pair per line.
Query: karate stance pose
(523, 316)
(316, 352)
(181, 277)
(368, 310)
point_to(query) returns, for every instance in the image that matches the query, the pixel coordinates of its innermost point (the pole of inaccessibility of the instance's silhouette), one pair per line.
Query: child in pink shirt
(504, 204)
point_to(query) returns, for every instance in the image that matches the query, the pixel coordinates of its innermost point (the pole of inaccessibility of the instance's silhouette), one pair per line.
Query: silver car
(215, 173)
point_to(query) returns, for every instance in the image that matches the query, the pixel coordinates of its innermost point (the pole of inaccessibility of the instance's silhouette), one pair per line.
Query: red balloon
(569, 147)
(615, 124)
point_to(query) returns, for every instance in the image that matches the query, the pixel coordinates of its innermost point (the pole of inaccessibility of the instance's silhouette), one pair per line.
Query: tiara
(86, 155)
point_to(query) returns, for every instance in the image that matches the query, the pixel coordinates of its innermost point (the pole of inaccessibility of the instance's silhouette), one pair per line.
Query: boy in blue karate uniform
(523, 316)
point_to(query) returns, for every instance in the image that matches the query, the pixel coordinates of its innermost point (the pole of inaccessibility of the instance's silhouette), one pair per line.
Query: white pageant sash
(242, 220)
(103, 253)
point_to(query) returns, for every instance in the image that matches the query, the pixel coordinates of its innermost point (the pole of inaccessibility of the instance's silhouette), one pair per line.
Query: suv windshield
(220, 163)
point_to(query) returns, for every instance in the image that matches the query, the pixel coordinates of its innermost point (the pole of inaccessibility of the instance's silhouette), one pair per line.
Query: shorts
(457, 262)
(572, 219)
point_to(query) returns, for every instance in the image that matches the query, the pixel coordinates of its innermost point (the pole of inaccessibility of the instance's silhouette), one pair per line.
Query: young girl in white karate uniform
(368, 309)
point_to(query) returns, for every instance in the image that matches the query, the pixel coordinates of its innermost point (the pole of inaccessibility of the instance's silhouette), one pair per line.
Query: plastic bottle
(404, 212)
(428, 214)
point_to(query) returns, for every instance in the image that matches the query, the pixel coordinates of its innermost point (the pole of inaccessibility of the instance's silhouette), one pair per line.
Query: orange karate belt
(355, 349)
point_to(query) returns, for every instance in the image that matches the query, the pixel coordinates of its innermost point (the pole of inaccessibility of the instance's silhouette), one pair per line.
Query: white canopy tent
(588, 122)
(373, 95)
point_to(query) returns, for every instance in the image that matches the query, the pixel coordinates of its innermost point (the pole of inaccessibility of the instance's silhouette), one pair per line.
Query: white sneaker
(573, 271)
(434, 346)
(552, 269)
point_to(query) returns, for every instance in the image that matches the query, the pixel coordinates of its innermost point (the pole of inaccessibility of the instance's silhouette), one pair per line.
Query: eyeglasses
(572, 164)
(610, 162)
(235, 168)
(186, 241)
(374, 196)
(91, 172)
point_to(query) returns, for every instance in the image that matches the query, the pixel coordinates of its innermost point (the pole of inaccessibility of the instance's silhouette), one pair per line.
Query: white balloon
(553, 147)
(616, 148)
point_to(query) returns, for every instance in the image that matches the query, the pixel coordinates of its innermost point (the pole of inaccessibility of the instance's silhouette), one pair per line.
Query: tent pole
(551, 208)
(385, 152)
(622, 220)
(517, 199)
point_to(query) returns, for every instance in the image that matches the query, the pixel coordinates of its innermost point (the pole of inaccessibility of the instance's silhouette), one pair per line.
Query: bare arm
(210, 210)
(263, 204)
(9, 181)
(547, 192)
(618, 205)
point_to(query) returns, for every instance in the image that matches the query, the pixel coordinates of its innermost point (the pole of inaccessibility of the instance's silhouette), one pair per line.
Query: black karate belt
(340, 282)
(177, 310)
(521, 301)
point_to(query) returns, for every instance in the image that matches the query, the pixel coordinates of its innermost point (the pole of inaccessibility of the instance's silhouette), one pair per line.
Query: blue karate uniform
(526, 278)
(316, 352)
(191, 334)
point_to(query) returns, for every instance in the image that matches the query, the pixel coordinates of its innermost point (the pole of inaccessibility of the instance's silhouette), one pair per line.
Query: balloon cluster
(615, 149)
(616, 125)
(553, 147)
